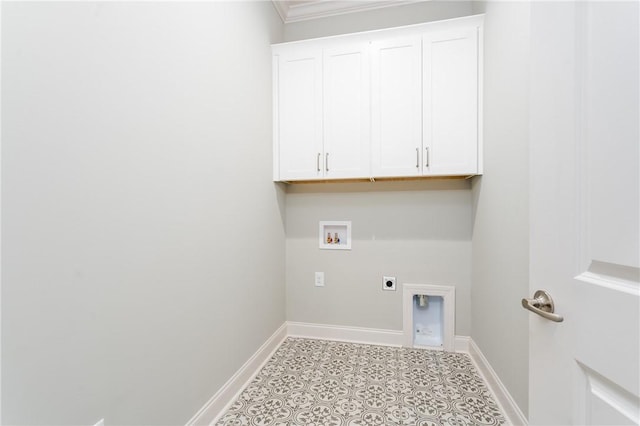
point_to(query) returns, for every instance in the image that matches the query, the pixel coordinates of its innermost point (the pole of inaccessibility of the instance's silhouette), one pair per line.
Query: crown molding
(294, 11)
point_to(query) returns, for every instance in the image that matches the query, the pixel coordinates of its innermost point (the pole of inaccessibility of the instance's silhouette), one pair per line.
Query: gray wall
(418, 232)
(501, 200)
(143, 240)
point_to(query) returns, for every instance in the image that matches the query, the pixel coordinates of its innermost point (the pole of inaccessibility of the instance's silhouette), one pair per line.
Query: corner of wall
(500, 241)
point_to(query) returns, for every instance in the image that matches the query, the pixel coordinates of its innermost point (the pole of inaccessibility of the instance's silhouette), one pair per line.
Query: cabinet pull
(318, 162)
(417, 158)
(326, 162)
(427, 162)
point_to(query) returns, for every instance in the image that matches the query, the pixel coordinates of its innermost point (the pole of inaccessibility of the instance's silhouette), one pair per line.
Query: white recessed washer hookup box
(429, 316)
(335, 235)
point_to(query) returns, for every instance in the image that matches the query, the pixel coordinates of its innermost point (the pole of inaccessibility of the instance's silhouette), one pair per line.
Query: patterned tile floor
(319, 382)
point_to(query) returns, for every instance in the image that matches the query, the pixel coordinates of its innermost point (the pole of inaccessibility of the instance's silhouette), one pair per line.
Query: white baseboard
(345, 334)
(504, 399)
(371, 336)
(219, 403)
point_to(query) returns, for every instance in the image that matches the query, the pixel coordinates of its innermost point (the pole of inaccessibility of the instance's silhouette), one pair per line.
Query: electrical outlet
(319, 279)
(389, 283)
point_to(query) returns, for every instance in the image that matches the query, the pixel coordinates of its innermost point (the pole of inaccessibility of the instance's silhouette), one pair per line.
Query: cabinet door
(346, 111)
(396, 98)
(299, 114)
(450, 104)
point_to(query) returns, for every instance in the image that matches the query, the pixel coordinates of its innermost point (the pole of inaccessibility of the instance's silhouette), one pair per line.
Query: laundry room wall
(142, 237)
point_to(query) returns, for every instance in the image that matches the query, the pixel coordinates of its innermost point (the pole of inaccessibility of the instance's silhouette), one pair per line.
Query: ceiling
(302, 10)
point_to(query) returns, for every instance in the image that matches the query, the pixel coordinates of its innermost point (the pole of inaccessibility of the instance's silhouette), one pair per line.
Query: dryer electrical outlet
(389, 283)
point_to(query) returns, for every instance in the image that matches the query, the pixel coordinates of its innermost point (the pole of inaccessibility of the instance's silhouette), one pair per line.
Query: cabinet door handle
(318, 162)
(417, 158)
(326, 161)
(427, 152)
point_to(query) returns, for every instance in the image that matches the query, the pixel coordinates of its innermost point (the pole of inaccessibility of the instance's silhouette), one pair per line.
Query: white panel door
(450, 103)
(300, 114)
(585, 212)
(396, 108)
(346, 111)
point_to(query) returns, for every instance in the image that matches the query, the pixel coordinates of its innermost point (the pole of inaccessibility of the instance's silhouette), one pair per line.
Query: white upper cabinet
(450, 102)
(299, 111)
(396, 94)
(346, 111)
(402, 102)
(322, 116)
